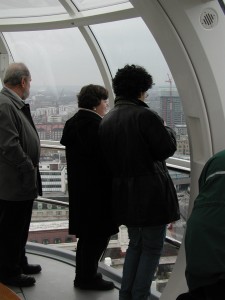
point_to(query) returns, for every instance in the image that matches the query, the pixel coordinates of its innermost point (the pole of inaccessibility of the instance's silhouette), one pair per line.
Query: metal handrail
(169, 240)
(173, 242)
(172, 162)
(52, 201)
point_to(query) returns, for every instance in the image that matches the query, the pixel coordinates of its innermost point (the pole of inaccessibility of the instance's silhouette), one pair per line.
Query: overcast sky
(62, 57)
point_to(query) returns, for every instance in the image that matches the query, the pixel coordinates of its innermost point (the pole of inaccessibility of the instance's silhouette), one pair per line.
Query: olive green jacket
(205, 235)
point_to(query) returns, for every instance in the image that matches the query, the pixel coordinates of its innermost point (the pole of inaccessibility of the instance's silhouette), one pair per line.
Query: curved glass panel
(60, 63)
(28, 8)
(50, 219)
(90, 4)
(56, 58)
(131, 42)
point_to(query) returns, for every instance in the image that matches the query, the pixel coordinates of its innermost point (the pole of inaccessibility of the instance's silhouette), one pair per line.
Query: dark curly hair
(91, 95)
(131, 81)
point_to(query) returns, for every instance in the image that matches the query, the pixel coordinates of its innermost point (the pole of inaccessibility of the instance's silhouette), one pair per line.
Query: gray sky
(62, 57)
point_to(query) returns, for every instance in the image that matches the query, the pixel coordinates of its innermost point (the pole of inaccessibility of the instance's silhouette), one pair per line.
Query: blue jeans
(141, 261)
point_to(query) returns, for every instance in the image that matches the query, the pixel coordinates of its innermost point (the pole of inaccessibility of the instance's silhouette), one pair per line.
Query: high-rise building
(171, 108)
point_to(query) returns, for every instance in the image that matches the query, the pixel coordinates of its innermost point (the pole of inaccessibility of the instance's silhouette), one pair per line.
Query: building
(54, 177)
(50, 131)
(51, 232)
(171, 108)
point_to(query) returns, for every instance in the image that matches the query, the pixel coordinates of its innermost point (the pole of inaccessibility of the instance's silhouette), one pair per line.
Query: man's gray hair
(15, 72)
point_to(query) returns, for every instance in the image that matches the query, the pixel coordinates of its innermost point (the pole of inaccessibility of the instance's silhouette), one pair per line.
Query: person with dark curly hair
(136, 143)
(89, 187)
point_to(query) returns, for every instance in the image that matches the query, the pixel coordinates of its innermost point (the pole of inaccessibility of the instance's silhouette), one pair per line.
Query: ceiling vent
(209, 18)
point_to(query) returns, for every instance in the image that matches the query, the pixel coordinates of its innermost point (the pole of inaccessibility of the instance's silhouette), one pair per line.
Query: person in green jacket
(205, 235)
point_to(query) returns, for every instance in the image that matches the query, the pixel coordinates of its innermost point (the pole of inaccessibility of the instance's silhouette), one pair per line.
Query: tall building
(171, 108)
(54, 177)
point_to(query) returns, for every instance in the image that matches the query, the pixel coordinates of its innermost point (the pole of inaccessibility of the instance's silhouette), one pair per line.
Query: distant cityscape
(51, 108)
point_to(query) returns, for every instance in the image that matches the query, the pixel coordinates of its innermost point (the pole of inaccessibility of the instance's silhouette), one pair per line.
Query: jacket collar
(125, 101)
(17, 101)
(89, 110)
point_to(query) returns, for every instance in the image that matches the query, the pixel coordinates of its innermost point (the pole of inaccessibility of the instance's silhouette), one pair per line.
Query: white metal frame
(195, 57)
(75, 19)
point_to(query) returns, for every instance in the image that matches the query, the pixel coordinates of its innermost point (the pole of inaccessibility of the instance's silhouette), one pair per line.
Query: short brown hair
(91, 95)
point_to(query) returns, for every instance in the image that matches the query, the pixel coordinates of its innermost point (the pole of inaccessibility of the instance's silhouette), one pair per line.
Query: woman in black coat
(89, 187)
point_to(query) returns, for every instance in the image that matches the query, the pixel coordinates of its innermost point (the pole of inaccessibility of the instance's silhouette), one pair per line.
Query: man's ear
(23, 82)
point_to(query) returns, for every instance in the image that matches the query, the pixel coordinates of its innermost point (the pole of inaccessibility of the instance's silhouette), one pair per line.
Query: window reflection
(90, 4)
(56, 58)
(27, 8)
(60, 63)
(131, 42)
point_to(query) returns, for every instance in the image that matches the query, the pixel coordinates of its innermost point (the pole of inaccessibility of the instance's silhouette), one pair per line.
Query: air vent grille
(209, 18)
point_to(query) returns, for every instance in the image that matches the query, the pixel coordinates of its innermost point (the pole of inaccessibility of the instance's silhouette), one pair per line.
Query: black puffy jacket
(136, 143)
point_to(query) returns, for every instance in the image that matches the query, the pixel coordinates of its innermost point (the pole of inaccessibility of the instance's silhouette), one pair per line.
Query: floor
(55, 282)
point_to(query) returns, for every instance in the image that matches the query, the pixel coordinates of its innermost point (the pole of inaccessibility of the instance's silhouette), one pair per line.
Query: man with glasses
(20, 181)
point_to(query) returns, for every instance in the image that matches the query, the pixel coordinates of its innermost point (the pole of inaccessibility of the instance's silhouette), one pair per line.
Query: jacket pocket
(29, 182)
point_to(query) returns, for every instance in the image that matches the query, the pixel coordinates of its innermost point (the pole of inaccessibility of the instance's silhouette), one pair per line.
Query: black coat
(88, 184)
(136, 143)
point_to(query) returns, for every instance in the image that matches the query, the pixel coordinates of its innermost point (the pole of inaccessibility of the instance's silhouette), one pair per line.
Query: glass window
(57, 241)
(28, 8)
(69, 240)
(90, 4)
(57, 59)
(45, 241)
(60, 63)
(130, 41)
(40, 205)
